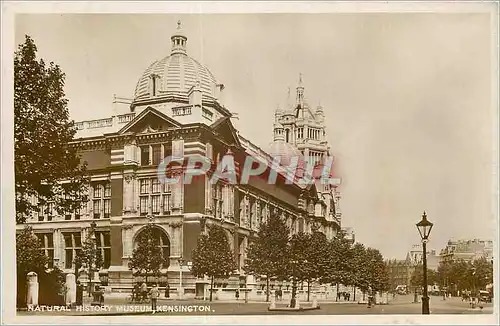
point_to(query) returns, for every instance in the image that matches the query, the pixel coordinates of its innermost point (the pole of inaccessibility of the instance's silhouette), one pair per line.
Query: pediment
(225, 129)
(149, 121)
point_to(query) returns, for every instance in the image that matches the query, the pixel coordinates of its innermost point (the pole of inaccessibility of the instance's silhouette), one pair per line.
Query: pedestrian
(237, 294)
(79, 293)
(276, 295)
(167, 291)
(154, 293)
(280, 293)
(144, 291)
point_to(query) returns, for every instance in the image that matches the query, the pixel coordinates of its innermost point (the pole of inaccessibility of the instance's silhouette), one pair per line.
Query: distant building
(468, 250)
(399, 273)
(415, 257)
(401, 270)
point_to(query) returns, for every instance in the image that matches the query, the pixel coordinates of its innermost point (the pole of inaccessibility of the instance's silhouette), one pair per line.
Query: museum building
(176, 111)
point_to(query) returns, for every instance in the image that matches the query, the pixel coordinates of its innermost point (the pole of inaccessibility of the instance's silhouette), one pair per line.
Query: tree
(42, 133)
(147, 257)
(212, 256)
(341, 262)
(29, 258)
(268, 254)
(360, 277)
(482, 273)
(378, 279)
(89, 255)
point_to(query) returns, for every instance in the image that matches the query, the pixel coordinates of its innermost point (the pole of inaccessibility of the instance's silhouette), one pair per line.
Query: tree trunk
(267, 288)
(354, 290)
(308, 289)
(211, 288)
(337, 296)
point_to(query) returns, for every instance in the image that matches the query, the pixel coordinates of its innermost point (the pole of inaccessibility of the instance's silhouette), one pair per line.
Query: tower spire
(300, 91)
(179, 40)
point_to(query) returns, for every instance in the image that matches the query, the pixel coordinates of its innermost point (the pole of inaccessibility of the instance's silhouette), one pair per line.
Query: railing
(125, 118)
(181, 111)
(100, 123)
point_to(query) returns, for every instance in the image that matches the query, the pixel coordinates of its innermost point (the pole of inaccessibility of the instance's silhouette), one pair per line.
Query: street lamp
(473, 285)
(424, 228)
(181, 263)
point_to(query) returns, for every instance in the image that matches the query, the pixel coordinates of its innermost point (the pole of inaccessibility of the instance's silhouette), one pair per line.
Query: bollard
(273, 301)
(70, 289)
(314, 301)
(32, 295)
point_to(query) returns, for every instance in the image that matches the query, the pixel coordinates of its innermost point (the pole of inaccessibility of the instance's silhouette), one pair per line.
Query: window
(97, 191)
(97, 208)
(50, 211)
(143, 206)
(156, 195)
(300, 133)
(103, 244)
(107, 208)
(162, 241)
(107, 189)
(47, 241)
(155, 204)
(156, 186)
(73, 245)
(157, 154)
(287, 135)
(144, 186)
(217, 199)
(145, 155)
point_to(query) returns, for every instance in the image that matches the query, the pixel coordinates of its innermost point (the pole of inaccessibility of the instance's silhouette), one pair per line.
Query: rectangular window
(47, 243)
(73, 245)
(50, 211)
(103, 244)
(156, 154)
(300, 132)
(156, 185)
(107, 189)
(97, 191)
(144, 201)
(166, 204)
(144, 186)
(155, 204)
(145, 155)
(97, 208)
(107, 208)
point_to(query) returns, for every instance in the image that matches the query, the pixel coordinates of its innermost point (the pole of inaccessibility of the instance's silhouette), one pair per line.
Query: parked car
(485, 296)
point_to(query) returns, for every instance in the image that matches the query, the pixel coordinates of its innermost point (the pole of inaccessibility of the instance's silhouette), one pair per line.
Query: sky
(408, 100)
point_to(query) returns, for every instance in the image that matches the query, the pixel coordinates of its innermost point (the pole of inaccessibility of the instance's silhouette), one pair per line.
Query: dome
(176, 74)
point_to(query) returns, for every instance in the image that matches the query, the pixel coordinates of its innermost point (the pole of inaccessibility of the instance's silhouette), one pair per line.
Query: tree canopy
(212, 256)
(42, 133)
(147, 257)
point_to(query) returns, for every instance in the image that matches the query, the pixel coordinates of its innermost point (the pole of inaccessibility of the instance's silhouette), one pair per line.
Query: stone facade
(180, 116)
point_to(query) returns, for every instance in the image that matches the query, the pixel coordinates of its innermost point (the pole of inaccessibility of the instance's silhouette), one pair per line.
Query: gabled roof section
(225, 128)
(150, 114)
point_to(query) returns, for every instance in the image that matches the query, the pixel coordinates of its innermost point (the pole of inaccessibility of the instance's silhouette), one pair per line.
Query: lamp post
(473, 285)
(181, 263)
(424, 228)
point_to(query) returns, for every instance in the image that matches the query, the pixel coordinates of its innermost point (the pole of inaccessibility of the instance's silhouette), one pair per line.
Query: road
(401, 305)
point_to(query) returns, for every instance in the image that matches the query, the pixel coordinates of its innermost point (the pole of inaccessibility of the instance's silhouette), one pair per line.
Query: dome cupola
(176, 75)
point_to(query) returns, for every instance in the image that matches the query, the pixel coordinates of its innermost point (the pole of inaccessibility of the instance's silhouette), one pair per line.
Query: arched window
(159, 238)
(287, 135)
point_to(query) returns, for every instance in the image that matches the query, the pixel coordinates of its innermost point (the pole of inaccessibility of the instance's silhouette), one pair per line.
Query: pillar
(70, 289)
(32, 295)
